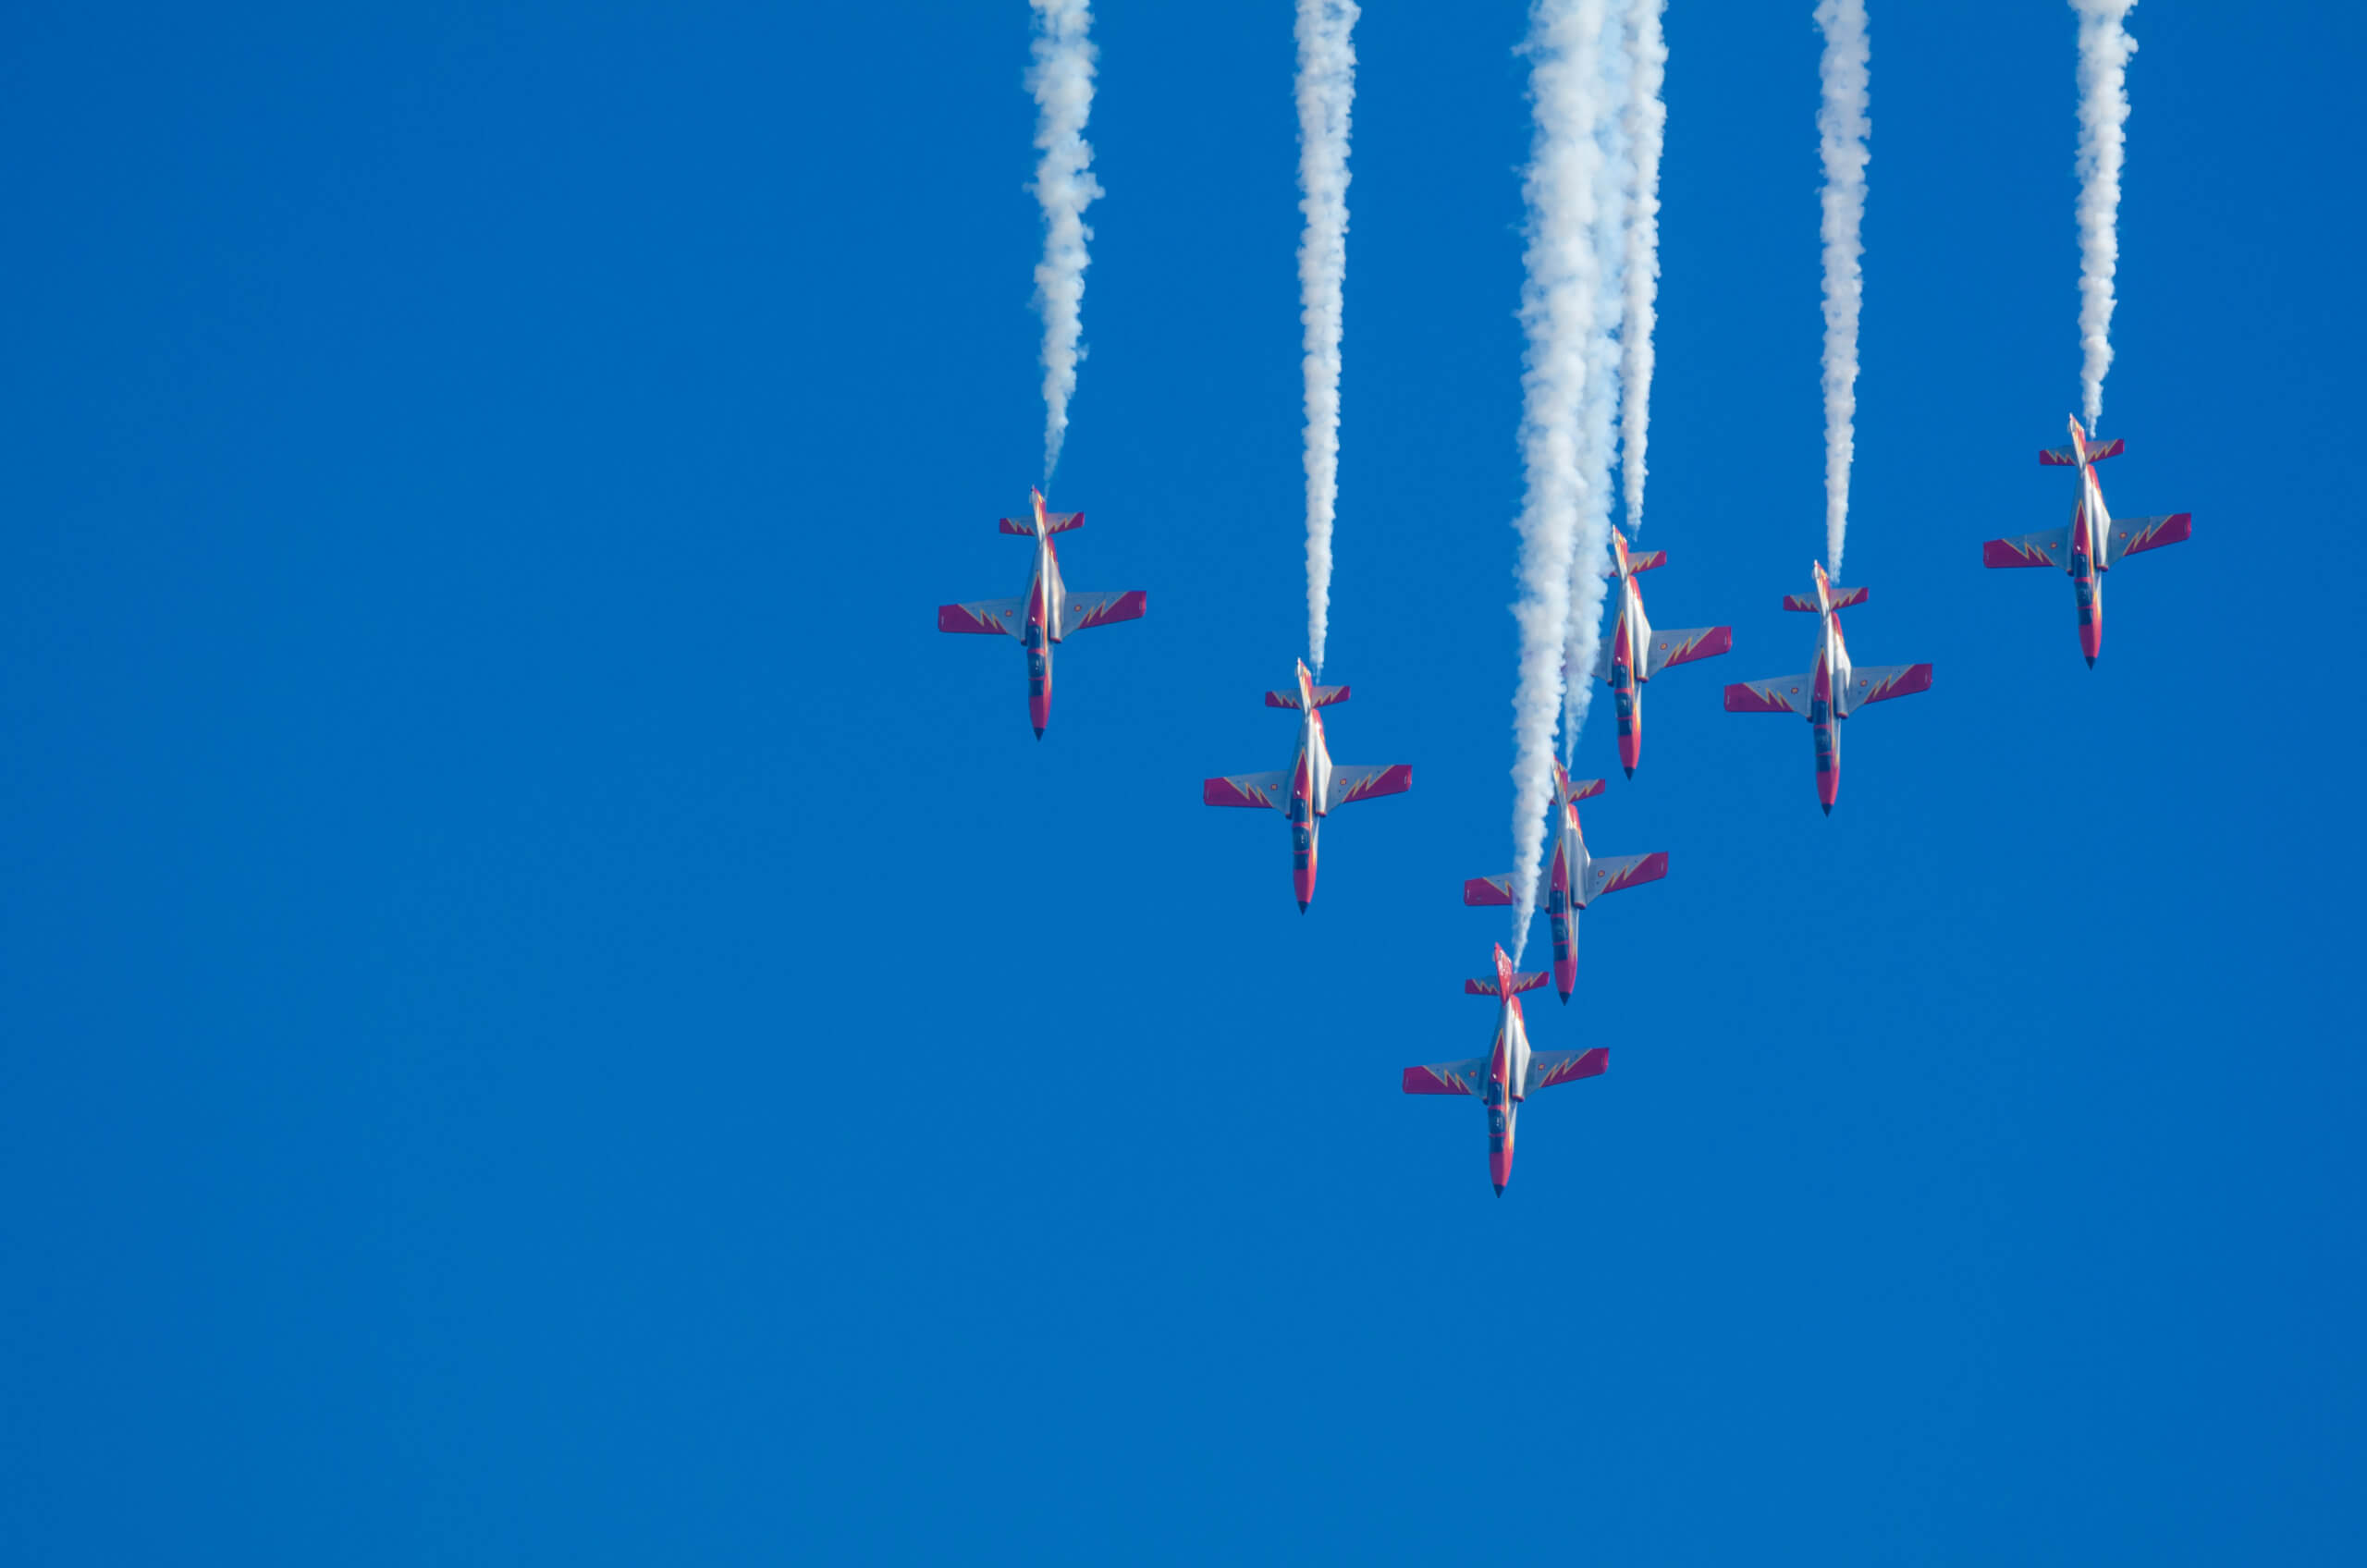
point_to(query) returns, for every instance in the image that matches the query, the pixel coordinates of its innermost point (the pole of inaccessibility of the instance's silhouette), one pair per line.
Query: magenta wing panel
(1586, 788)
(2131, 534)
(1786, 694)
(1529, 982)
(1842, 599)
(1549, 1068)
(1352, 784)
(1265, 790)
(1611, 873)
(2111, 448)
(2031, 549)
(1644, 560)
(1479, 988)
(1684, 647)
(1446, 1078)
(1488, 892)
(1283, 700)
(998, 616)
(1025, 526)
(1083, 612)
(2059, 457)
(1871, 683)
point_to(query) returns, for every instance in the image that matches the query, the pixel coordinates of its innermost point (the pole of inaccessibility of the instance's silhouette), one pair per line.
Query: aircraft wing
(2051, 547)
(1489, 893)
(1270, 790)
(1879, 682)
(1449, 1077)
(1005, 615)
(1609, 873)
(1085, 611)
(1684, 647)
(2130, 535)
(1549, 1068)
(1784, 693)
(1351, 784)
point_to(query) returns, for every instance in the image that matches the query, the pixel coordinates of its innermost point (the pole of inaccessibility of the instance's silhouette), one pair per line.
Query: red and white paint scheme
(1634, 653)
(1510, 1073)
(1833, 689)
(1046, 613)
(2094, 541)
(1311, 788)
(1574, 880)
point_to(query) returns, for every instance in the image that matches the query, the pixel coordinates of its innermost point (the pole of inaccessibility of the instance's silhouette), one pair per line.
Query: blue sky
(546, 1015)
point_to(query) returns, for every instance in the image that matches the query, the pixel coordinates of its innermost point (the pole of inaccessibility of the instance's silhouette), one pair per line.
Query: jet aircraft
(1833, 689)
(1311, 787)
(1046, 613)
(1510, 1073)
(1634, 653)
(2094, 543)
(1576, 878)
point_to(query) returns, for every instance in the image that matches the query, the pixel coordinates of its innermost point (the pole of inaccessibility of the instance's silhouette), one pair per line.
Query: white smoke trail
(1558, 307)
(1599, 404)
(1841, 126)
(1646, 122)
(2105, 48)
(1327, 88)
(1061, 80)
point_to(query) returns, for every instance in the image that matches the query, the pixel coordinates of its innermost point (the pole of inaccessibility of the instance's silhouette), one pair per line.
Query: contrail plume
(1645, 120)
(1327, 88)
(1558, 310)
(1599, 404)
(1061, 80)
(2105, 48)
(1840, 127)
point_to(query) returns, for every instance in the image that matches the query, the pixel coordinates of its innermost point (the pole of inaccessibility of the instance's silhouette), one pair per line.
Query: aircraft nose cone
(1828, 807)
(1302, 906)
(1499, 1189)
(1039, 733)
(2091, 661)
(1631, 773)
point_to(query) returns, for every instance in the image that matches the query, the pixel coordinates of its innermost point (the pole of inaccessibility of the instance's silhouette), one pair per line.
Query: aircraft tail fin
(1054, 522)
(1519, 983)
(1842, 599)
(1324, 697)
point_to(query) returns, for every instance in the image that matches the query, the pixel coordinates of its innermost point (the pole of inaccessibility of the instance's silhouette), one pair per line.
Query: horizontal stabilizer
(1842, 599)
(1644, 560)
(1489, 892)
(2049, 547)
(1785, 693)
(999, 616)
(1684, 647)
(1054, 522)
(1448, 1077)
(1880, 683)
(1520, 983)
(2131, 534)
(1549, 1068)
(1324, 697)
(1267, 789)
(1083, 612)
(1585, 788)
(2066, 457)
(1352, 784)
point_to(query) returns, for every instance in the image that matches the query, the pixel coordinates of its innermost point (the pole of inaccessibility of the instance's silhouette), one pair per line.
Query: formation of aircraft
(1634, 653)
(1833, 688)
(1047, 612)
(1575, 878)
(1312, 787)
(2093, 542)
(1510, 1073)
